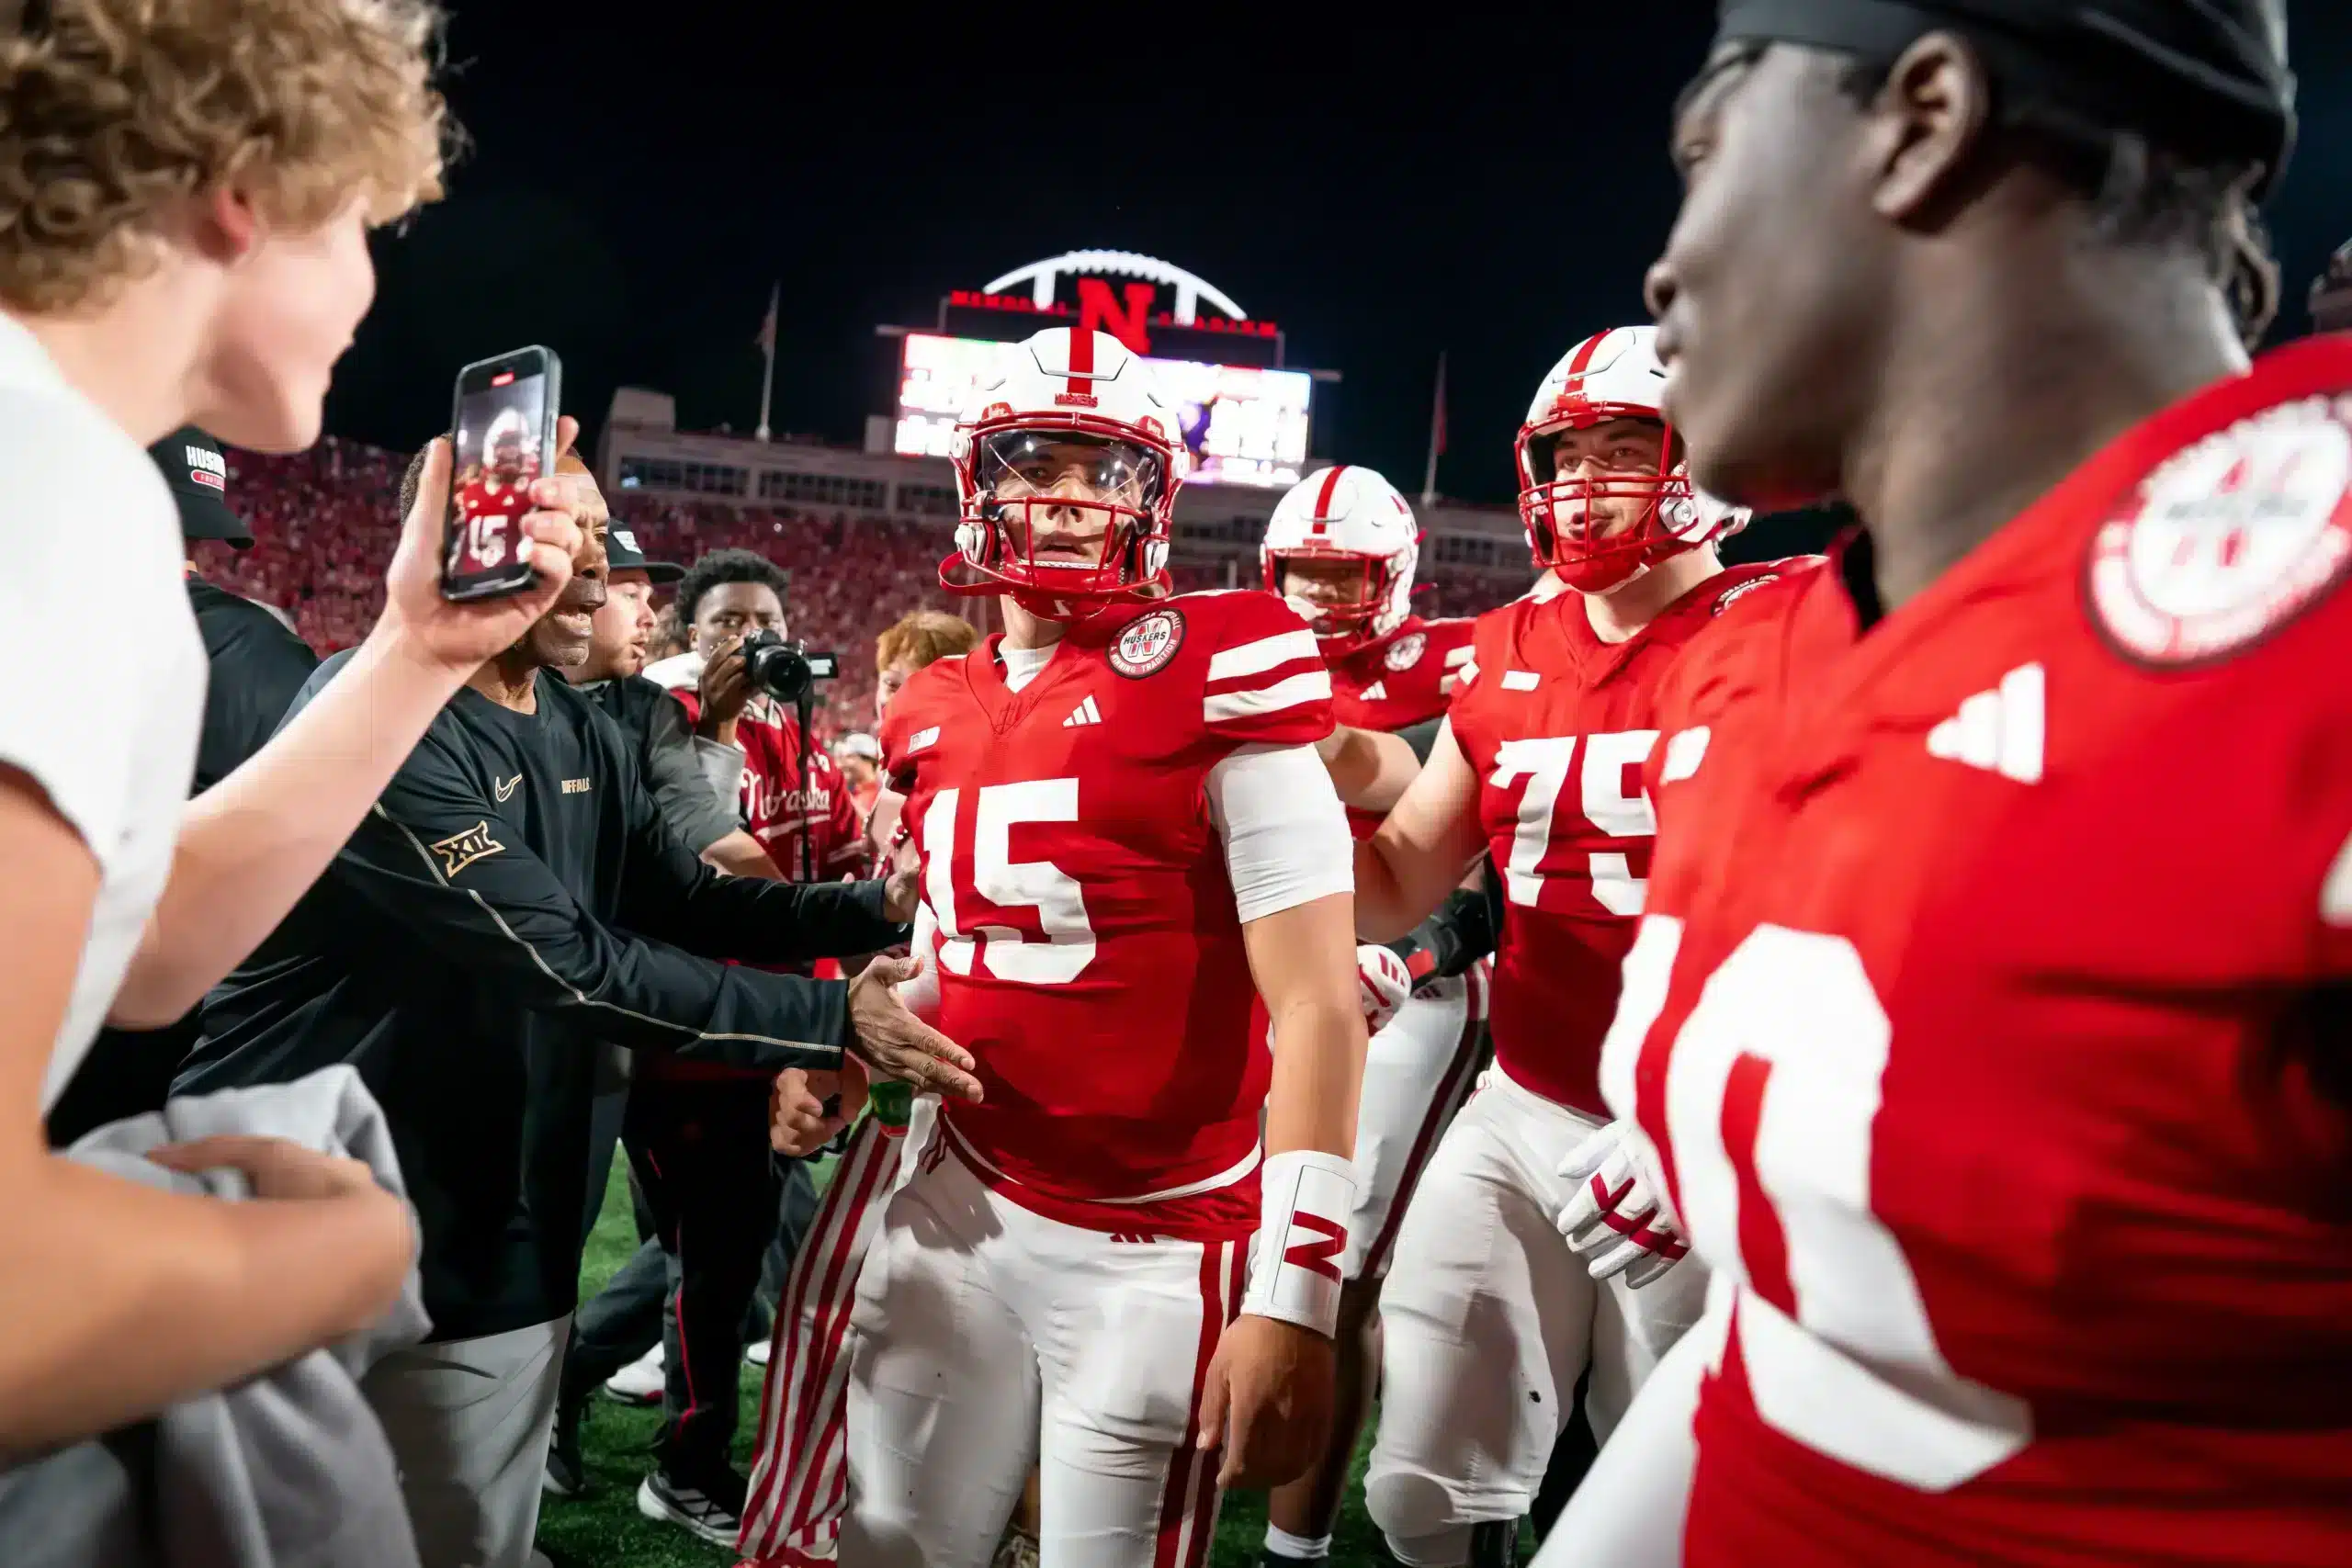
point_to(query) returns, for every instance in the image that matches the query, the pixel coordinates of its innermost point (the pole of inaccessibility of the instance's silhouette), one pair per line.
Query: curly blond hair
(110, 110)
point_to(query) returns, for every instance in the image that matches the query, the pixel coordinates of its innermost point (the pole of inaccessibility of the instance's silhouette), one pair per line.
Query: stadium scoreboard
(1246, 417)
(1243, 424)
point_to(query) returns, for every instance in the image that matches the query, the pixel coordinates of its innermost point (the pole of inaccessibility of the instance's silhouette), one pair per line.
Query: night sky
(638, 176)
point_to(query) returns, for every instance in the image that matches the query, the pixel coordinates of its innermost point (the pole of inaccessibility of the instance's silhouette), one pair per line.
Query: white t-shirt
(104, 706)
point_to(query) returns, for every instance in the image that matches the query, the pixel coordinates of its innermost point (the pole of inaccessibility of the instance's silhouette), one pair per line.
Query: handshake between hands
(806, 1106)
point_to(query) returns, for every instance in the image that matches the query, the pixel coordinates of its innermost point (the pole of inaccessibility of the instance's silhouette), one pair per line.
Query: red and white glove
(1382, 985)
(1617, 1219)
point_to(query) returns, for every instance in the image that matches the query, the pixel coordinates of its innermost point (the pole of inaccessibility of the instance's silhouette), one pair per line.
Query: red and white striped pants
(800, 1473)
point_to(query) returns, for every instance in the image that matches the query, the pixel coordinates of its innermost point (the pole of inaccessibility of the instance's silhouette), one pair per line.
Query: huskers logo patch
(1147, 644)
(2229, 539)
(460, 851)
(1405, 651)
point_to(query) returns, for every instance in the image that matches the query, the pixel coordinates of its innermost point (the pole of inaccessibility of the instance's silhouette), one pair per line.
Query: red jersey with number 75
(1557, 725)
(1992, 1016)
(1090, 954)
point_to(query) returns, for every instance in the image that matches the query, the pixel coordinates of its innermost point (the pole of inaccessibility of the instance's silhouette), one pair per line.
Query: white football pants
(1417, 1072)
(1489, 1320)
(986, 1338)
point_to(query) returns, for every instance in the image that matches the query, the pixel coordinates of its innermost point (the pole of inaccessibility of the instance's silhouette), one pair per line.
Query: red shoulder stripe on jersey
(1272, 675)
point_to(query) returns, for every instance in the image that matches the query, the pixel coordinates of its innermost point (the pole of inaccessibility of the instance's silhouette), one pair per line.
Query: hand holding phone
(504, 419)
(457, 636)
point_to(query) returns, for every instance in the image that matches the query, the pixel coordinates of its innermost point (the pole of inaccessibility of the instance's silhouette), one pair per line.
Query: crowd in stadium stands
(324, 526)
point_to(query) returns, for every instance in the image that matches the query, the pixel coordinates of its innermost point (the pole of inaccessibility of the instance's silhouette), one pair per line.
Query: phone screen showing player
(506, 425)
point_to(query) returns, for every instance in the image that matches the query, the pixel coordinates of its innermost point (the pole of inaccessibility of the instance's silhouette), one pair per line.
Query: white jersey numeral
(995, 876)
(486, 538)
(1784, 1051)
(1608, 760)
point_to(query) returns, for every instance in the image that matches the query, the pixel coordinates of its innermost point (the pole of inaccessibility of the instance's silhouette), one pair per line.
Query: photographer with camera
(715, 1193)
(746, 684)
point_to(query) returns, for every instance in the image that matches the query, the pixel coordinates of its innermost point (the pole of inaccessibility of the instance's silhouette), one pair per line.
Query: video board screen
(1245, 425)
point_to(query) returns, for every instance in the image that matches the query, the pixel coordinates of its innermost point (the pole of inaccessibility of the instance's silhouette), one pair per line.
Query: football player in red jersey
(1125, 835)
(493, 495)
(1341, 546)
(1987, 1023)
(1487, 1318)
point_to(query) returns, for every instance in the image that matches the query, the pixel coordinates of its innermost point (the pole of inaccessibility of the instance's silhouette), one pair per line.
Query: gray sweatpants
(468, 1422)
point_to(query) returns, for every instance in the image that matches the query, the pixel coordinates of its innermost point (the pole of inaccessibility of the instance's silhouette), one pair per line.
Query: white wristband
(1302, 1238)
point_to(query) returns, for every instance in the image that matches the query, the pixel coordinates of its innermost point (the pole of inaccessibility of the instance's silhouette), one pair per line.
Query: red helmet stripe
(1081, 361)
(1323, 495)
(1585, 351)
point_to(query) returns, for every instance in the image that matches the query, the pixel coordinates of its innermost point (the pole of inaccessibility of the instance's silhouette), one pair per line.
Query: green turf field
(604, 1529)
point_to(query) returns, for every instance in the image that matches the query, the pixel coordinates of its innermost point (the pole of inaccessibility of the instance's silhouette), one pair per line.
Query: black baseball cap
(198, 476)
(621, 554)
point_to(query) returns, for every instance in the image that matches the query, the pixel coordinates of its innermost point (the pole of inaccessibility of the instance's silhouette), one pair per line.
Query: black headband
(2206, 79)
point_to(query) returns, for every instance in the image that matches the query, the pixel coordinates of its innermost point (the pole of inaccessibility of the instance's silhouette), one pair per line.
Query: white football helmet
(1612, 375)
(1353, 515)
(1070, 433)
(505, 445)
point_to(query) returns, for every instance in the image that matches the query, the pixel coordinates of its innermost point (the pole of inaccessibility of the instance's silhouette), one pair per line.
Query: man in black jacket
(256, 665)
(513, 901)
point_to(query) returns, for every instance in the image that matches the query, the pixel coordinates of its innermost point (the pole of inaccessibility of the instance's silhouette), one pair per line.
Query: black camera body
(787, 672)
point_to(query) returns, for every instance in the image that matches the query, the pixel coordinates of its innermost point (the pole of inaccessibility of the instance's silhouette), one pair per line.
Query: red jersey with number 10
(1556, 724)
(1993, 1018)
(1089, 956)
(1403, 679)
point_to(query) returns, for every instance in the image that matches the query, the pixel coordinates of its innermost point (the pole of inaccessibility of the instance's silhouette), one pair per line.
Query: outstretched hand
(461, 637)
(895, 1043)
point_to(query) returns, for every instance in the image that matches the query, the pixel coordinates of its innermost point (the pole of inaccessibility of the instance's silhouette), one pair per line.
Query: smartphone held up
(506, 425)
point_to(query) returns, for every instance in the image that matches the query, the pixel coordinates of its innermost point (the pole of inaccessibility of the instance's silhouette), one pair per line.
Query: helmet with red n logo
(1067, 460)
(1603, 489)
(1353, 537)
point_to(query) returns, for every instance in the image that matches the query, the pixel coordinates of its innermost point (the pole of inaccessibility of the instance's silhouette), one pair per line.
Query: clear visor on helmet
(1017, 465)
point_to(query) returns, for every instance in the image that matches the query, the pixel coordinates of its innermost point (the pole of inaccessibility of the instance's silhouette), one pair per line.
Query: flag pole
(1437, 436)
(767, 344)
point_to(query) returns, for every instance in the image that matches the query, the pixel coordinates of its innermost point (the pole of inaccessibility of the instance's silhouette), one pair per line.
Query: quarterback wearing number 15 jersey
(1090, 953)
(1990, 1017)
(1556, 724)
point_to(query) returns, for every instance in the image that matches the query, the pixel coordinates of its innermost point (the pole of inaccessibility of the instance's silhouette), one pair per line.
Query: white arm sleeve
(920, 995)
(1286, 840)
